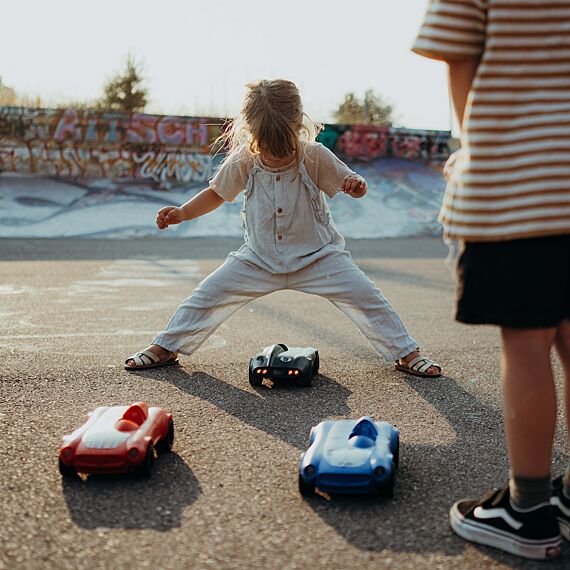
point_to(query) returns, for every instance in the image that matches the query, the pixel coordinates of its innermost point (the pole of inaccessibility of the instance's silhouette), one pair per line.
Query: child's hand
(449, 165)
(169, 216)
(354, 185)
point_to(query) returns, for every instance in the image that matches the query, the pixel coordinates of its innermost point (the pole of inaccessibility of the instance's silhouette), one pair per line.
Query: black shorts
(523, 283)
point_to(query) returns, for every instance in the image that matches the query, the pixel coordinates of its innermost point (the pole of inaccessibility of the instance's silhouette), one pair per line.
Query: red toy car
(117, 439)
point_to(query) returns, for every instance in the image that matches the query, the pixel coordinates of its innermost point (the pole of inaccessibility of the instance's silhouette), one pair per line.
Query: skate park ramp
(403, 200)
(69, 173)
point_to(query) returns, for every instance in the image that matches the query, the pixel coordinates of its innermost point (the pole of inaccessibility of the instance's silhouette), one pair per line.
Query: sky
(197, 56)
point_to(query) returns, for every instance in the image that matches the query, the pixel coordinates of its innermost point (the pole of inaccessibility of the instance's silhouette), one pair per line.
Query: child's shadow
(123, 501)
(284, 412)
(430, 479)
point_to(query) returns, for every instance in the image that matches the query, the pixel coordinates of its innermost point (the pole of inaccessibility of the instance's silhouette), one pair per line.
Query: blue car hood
(339, 451)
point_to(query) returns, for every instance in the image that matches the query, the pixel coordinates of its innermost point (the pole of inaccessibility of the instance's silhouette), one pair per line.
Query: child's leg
(216, 298)
(339, 280)
(529, 411)
(563, 348)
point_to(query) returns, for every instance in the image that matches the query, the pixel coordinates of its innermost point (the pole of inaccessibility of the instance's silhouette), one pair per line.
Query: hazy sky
(198, 55)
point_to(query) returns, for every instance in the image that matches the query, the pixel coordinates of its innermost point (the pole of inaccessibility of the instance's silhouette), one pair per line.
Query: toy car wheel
(305, 488)
(145, 468)
(255, 379)
(165, 444)
(387, 490)
(306, 380)
(66, 470)
(316, 364)
(396, 454)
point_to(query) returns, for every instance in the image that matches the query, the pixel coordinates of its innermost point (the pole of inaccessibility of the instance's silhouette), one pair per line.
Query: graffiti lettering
(68, 128)
(369, 143)
(166, 149)
(174, 166)
(142, 129)
(89, 143)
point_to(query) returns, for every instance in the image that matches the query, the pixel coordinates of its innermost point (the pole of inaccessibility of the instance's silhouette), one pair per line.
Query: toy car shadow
(295, 366)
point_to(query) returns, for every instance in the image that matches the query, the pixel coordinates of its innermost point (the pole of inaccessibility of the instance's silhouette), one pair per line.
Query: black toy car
(278, 363)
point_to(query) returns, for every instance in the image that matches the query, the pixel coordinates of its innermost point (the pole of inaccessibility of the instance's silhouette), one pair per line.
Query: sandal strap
(143, 358)
(421, 363)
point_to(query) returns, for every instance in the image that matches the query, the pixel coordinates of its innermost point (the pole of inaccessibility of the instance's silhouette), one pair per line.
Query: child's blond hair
(272, 120)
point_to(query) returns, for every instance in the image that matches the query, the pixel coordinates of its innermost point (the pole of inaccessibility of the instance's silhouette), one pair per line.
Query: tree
(7, 95)
(125, 92)
(373, 110)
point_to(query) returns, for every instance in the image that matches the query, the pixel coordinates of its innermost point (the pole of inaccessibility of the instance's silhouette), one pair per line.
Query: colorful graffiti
(70, 143)
(364, 142)
(164, 149)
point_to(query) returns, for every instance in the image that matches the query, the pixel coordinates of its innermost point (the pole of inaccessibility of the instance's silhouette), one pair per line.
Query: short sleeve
(325, 169)
(452, 29)
(231, 178)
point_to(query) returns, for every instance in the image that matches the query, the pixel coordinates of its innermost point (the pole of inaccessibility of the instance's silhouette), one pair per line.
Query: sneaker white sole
(480, 533)
(564, 528)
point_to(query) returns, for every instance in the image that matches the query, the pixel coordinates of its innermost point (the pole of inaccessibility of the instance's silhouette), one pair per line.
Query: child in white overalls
(290, 239)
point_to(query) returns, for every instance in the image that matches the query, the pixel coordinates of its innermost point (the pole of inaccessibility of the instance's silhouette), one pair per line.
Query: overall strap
(318, 201)
(249, 184)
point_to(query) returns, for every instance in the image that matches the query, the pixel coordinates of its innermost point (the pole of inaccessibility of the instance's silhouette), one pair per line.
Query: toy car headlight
(67, 453)
(379, 471)
(133, 453)
(310, 470)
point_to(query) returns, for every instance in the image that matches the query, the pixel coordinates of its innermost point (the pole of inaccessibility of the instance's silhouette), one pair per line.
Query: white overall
(290, 243)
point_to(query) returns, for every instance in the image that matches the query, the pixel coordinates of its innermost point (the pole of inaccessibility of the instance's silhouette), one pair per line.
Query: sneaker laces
(494, 498)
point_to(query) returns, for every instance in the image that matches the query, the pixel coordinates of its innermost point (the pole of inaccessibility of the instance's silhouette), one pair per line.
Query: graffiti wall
(364, 142)
(165, 149)
(114, 145)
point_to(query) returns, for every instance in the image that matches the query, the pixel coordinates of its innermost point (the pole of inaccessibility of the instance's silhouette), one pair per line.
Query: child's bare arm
(461, 73)
(354, 185)
(205, 201)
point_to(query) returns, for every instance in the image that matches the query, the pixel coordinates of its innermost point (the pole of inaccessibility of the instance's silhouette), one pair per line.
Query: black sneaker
(561, 506)
(494, 521)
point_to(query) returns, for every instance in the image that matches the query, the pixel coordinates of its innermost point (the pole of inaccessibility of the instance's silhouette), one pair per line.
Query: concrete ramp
(403, 200)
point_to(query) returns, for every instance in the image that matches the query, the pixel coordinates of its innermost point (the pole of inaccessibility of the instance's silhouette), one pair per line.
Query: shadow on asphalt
(282, 411)
(131, 503)
(429, 480)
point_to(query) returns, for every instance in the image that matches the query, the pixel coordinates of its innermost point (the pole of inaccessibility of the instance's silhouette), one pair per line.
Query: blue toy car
(294, 365)
(350, 456)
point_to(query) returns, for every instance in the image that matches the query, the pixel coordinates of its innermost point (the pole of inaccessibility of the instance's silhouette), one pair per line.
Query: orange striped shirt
(511, 178)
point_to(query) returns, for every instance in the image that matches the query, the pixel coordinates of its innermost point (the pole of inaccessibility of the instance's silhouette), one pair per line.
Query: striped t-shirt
(511, 178)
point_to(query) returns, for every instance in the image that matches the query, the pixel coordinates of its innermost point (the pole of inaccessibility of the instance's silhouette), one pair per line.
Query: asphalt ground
(226, 497)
